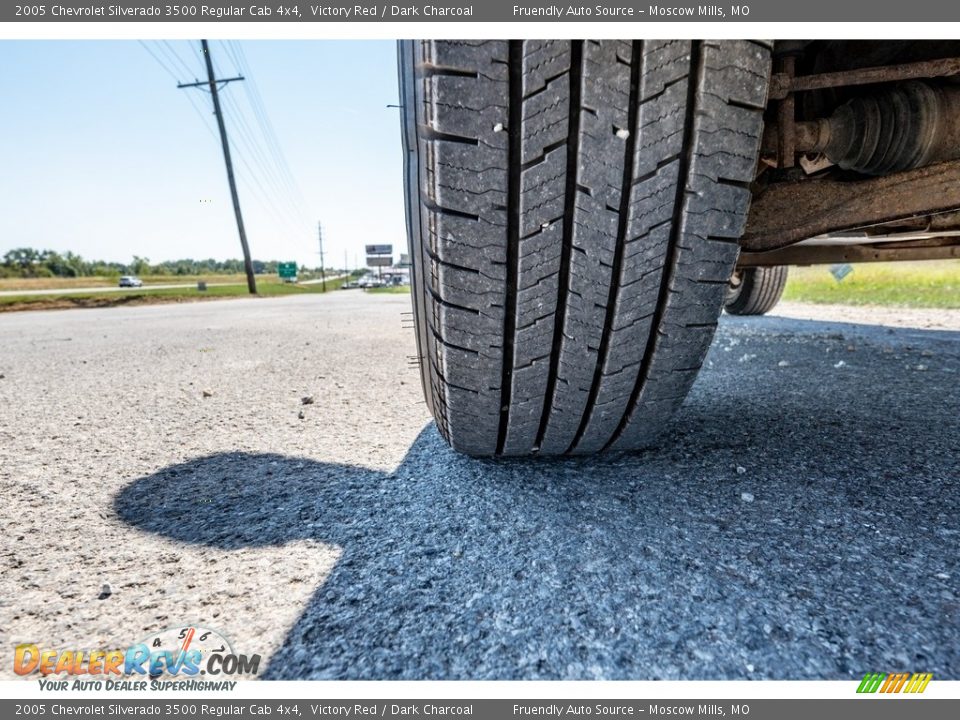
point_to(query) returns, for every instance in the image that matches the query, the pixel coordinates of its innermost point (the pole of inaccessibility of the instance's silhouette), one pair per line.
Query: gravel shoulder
(923, 318)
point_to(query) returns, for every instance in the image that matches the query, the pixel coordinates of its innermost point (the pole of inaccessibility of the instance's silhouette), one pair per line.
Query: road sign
(379, 249)
(287, 270)
(379, 261)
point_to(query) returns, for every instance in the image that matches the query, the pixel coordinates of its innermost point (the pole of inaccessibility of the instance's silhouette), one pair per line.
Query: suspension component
(907, 126)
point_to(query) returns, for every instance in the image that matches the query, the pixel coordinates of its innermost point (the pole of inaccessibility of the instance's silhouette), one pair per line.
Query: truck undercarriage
(860, 158)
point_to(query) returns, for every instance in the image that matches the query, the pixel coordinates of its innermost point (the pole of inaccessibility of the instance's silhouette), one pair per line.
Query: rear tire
(756, 290)
(573, 211)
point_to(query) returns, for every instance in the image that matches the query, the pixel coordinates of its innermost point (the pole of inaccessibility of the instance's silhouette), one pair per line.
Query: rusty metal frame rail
(829, 254)
(786, 213)
(782, 84)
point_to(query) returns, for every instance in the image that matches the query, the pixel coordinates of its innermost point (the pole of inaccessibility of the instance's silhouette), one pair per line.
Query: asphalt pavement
(160, 466)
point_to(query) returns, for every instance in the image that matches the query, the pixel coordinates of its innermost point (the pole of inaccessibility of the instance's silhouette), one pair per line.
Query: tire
(573, 211)
(755, 291)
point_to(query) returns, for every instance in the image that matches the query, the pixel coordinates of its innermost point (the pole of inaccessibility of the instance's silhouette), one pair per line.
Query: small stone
(623, 134)
(105, 592)
(544, 226)
(307, 400)
(207, 393)
(741, 470)
(301, 415)
(943, 576)
(750, 667)
(498, 127)
(783, 363)
(746, 497)
(840, 364)
(921, 367)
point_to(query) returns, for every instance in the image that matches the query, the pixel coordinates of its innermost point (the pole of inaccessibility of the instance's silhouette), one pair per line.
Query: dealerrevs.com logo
(171, 659)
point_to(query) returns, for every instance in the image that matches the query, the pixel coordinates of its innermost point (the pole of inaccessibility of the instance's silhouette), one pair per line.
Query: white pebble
(741, 470)
(783, 363)
(746, 497)
(840, 364)
(498, 127)
(623, 134)
(544, 226)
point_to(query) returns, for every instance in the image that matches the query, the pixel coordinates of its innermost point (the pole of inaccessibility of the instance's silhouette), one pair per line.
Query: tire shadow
(796, 524)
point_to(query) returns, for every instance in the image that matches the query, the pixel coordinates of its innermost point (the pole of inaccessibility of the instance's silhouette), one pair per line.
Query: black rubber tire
(758, 290)
(573, 211)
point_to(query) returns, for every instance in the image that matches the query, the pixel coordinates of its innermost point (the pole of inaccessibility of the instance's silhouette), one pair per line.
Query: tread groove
(515, 130)
(616, 276)
(676, 232)
(563, 283)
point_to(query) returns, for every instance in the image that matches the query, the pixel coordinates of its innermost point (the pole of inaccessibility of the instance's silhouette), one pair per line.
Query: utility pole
(212, 83)
(346, 264)
(323, 273)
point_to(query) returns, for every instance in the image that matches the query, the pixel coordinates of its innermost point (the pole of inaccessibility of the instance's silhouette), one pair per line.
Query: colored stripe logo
(894, 683)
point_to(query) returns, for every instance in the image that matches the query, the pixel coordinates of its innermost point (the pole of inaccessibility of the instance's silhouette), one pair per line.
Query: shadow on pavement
(801, 522)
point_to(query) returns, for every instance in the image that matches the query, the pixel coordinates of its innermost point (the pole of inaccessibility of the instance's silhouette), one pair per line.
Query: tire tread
(579, 205)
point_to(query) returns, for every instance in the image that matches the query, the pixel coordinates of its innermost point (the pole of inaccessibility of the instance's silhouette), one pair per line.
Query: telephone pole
(212, 83)
(323, 273)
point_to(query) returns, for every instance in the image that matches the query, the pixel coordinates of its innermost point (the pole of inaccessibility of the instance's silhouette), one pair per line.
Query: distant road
(147, 286)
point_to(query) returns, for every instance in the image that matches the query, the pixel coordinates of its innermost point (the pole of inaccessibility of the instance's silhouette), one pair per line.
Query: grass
(932, 284)
(266, 287)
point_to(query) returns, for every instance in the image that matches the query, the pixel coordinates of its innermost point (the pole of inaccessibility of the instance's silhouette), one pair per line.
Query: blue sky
(104, 156)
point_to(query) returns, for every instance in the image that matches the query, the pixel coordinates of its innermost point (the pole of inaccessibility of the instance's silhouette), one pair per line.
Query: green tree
(23, 259)
(140, 265)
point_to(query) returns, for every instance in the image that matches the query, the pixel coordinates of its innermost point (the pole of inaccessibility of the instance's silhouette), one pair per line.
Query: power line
(203, 118)
(196, 53)
(267, 175)
(268, 153)
(180, 61)
(252, 91)
(257, 155)
(160, 62)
